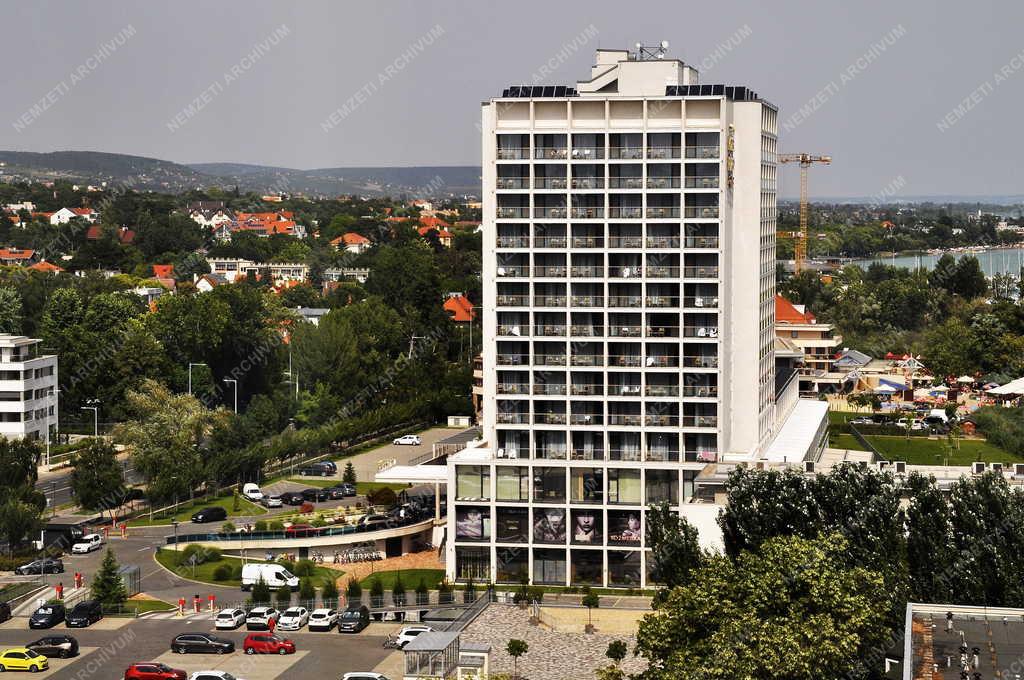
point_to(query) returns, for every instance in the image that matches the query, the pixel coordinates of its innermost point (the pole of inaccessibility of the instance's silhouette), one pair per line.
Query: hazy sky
(880, 82)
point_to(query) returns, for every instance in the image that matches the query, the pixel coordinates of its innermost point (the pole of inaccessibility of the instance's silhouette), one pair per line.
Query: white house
(65, 215)
(28, 389)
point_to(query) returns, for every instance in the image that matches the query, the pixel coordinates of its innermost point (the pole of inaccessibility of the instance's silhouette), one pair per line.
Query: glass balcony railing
(625, 360)
(625, 242)
(507, 270)
(585, 183)
(700, 391)
(549, 183)
(663, 152)
(547, 453)
(553, 389)
(552, 212)
(661, 420)
(551, 419)
(549, 301)
(701, 302)
(700, 421)
(550, 271)
(662, 272)
(625, 183)
(629, 420)
(512, 359)
(583, 331)
(512, 183)
(513, 329)
(702, 182)
(663, 182)
(662, 301)
(587, 390)
(551, 242)
(629, 213)
(628, 301)
(587, 360)
(512, 388)
(700, 272)
(661, 212)
(549, 330)
(513, 154)
(586, 419)
(661, 361)
(587, 213)
(702, 152)
(586, 271)
(662, 390)
(661, 455)
(707, 212)
(617, 331)
(596, 453)
(513, 300)
(662, 332)
(700, 361)
(513, 213)
(701, 242)
(549, 359)
(513, 242)
(551, 153)
(700, 331)
(626, 152)
(624, 454)
(586, 153)
(513, 418)
(587, 242)
(702, 455)
(588, 301)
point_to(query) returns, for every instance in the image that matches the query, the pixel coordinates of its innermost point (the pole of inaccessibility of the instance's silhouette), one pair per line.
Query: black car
(314, 495)
(353, 619)
(321, 469)
(47, 616)
(83, 614)
(292, 498)
(46, 565)
(339, 491)
(211, 514)
(63, 646)
(201, 643)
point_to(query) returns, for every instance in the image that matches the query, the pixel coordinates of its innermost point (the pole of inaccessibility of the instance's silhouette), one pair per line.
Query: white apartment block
(629, 281)
(28, 389)
(234, 269)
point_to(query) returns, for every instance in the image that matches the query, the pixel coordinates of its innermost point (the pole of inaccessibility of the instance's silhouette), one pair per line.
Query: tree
(329, 593)
(283, 596)
(353, 589)
(616, 651)
(792, 609)
(19, 520)
(349, 475)
(307, 591)
(10, 311)
(108, 586)
(97, 479)
(764, 504)
(930, 552)
(676, 551)
(968, 280)
(591, 601)
(261, 592)
(515, 649)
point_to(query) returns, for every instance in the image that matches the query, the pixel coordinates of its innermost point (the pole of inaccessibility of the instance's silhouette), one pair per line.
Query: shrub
(227, 528)
(261, 525)
(536, 593)
(382, 496)
(306, 508)
(304, 568)
(306, 590)
(283, 596)
(376, 587)
(421, 587)
(275, 525)
(353, 589)
(318, 521)
(349, 475)
(398, 588)
(329, 593)
(202, 554)
(223, 572)
(261, 592)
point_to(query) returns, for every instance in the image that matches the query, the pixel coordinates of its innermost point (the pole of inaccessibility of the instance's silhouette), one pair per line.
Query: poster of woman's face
(586, 526)
(549, 525)
(470, 524)
(624, 526)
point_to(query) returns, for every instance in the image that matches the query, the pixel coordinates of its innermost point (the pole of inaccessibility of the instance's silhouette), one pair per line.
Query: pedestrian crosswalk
(189, 616)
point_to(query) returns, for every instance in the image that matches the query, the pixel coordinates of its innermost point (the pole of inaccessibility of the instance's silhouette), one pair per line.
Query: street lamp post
(174, 523)
(190, 376)
(235, 384)
(95, 419)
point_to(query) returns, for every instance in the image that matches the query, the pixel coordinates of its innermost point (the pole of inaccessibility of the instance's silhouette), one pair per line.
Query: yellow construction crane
(805, 160)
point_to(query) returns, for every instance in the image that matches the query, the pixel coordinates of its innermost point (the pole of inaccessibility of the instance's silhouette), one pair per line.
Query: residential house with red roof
(46, 267)
(459, 308)
(818, 342)
(443, 235)
(65, 215)
(15, 256)
(351, 242)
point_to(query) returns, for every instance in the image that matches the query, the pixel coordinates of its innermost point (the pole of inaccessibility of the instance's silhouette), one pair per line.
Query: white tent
(965, 379)
(1013, 387)
(886, 389)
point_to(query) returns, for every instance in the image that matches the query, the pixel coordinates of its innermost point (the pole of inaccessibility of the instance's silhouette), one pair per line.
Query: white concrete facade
(629, 282)
(28, 389)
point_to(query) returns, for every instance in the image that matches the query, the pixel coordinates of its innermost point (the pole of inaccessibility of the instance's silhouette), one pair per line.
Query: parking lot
(109, 646)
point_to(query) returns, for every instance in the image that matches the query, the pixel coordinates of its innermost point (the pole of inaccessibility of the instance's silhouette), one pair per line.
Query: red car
(151, 670)
(267, 643)
(301, 530)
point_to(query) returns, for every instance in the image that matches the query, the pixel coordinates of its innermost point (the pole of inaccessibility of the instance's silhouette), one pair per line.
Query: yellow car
(22, 659)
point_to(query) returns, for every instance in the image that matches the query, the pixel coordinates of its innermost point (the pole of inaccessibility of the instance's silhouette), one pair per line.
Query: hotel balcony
(700, 331)
(513, 241)
(661, 420)
(626, 213)
(552, 183)
(551, 153)
(625, 183)
(662, 391)
(587, 213)
(550, 389)
(549, 360)
(550, 419)
(624, 331)
(510, 418)
(631, 454)
(662, 331)
(550, 212)
(587, 272)
(709, 272)
(701, 212)
(548, 300)
(512, 388)
(662, 301)
(551, 242)
(700, 421)
(626, 152)
(513, 154)
(662, 361)
(588, 360)
(587, 153)
(587, 183)
(703, 182)
(625, 242)
(700, 361)
(702, 152)
(513, 212)
(672, 182)
(662, 272)
(587, 301)
(627, 301)
(549, 271)
(513, 300)
(585, 331)
(662, 212)
(626, 420)
(625, 360)
(591, 453)
(701, 301)
(700, 391)
(701, 242)
(549, 330)
(512, 270)
(585, 239)
(512, 359)
(586, 390)
(663, 152)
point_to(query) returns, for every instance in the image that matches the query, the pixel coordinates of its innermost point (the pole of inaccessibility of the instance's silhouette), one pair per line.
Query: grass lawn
(363, 488)
(186, 511)
(923, 451)
(841, 417)
(410, 578)
(318, 482)
(204, 572)
(844, 441)
(143, 605)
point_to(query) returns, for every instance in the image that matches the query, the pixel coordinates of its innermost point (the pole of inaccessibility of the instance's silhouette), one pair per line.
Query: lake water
(1002, 261)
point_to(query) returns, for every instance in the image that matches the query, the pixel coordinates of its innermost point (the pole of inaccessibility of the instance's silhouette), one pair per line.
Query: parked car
(354, 619)
(344, 490)
(214, 513)
(292, 498)
(323, 619)
(293, 618)
(316, 495)
(62, 646)
(320, 469)
(363, 675)
(259, 618)
(83, 614)
(22, 659)
(272, 501)
(301, 531)
(371, 522)
(273, 574)
(265, 643)
(410, 633)
(407, 440)
(47, 616)
(229, 619)
(87, 544)
(201, 643)
(212, 675)
(46, 565)
(252, 491)
(152, 670)
(862, 421)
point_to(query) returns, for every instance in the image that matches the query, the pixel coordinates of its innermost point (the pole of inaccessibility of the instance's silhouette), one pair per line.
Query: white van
(274, 575)
(252, 492)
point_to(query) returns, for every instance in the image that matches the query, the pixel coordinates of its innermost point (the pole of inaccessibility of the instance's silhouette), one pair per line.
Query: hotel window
(512, 564)
(587, 567)
(624, 527)
(513, 483)
(549, 566)
(513, 525)
(549, 485)
(473, 563)
(472, 482)
(587, 485)
(624, 568)
(662, 487)
(624, 486)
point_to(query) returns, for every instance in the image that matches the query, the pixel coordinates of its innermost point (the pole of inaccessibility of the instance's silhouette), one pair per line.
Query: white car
(410, 633)
(272, 502)
(229, 619)
(407, 440)
(364, 675)
(323, 619)
(88, 543)
(259, 618)
(293, 618)
(252, 491)
(212, 675)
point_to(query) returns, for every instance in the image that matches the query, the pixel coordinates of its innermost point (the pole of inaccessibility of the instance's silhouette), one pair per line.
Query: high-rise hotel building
(629, 284)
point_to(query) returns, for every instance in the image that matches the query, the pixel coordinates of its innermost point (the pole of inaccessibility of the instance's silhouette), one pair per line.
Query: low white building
(28, 389)
(65, 215)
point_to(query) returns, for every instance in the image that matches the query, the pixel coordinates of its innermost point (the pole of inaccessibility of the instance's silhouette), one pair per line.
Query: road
(57, 484)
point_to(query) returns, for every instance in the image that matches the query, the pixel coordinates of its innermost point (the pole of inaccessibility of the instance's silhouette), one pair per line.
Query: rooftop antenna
(649, 52)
